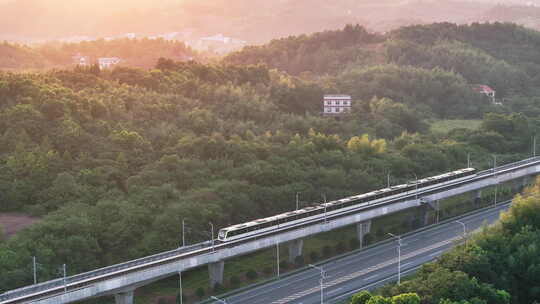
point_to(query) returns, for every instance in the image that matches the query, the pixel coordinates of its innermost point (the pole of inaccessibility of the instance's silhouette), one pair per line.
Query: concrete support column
(124, 297)
(295, 249)
(362, 229)
(525, 181)
(215, 270)
(476, 196)
(424, 215)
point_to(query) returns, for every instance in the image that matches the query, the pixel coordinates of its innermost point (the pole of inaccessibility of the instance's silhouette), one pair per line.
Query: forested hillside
(503, 56)
(142, 53)
(113, 160)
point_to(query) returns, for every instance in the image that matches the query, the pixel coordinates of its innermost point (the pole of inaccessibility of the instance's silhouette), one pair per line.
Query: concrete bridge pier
(295, 249)
(477, 196)
(125, 297)
(424, 214)
(525, 181)
(215, 270)
(362, 229)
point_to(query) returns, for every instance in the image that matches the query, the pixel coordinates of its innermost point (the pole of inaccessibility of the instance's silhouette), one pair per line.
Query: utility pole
(415, 187)
(180, 286)
(321, 281)
(534, 146)
(65, 282)
(399, 257)
(297, 200)
(495, 177)
(468, 159)
(183, 233)
(277, 258)
(34, 269)
(324, 196)
(212, 226)
(388, 180)
(464, 230)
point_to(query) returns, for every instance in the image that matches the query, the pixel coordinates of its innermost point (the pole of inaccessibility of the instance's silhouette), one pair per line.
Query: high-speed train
(330, 208)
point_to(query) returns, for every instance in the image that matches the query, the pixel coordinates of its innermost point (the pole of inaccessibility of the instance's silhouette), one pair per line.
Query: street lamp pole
(468, 159)
(324, 196)
(65, 282)
(388, 180)
(464, 230)
(495, 176)
(415, 187)
(534, 146)
(212, 226)
(218, 299)
(399, 257)
(180, 286)
(321, 280)
(34, 269)
(297, 200)
(183, 233)
(277, 258)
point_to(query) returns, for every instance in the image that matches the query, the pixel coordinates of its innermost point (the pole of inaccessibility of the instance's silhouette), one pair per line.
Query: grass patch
(447, 125)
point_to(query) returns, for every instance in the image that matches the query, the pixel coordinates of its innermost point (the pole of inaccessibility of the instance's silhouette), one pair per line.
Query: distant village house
(81, 60)
(218, 43)
(105, 63)
(336, 104)
(486, 90)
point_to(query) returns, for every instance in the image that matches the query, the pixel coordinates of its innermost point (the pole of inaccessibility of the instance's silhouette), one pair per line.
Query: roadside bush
(299, 261)
(313, 256)
(218, 288)
(235, 281)
(251, 274)
(162, 301)
(284, 264)
(340, 247)
(327, 251)
(268, 270)
(368, 239)
(200, 292)
(354, 243)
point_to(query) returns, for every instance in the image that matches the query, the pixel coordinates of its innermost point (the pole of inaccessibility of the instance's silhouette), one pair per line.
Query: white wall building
(105, 63)
(336, 104)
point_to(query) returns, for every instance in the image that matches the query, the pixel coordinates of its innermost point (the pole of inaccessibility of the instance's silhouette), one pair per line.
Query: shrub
(268, 270)
(200, 292)
(251, 274)
(299, 260)
(340, 247)
(284, 264)
(235, 281)
(218, 287)
(354, 243)
(162, 301)
(361, 298)
(327, 251)
(313, 256)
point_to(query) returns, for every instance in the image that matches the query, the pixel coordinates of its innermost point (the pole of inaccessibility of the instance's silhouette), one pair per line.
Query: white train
(334, 207)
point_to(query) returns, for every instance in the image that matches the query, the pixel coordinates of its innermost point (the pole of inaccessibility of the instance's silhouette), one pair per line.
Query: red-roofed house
(486, 90)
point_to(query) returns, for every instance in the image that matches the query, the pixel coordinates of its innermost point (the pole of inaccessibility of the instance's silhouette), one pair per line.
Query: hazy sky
(252, 20)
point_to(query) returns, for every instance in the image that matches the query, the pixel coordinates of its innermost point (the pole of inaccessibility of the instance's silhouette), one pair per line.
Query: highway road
(366, 269)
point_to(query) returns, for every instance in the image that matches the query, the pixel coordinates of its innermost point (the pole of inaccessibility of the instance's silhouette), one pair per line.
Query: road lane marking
(371, 277)
(436, 253)
(334, 291)
(368, 270)
(403, 265)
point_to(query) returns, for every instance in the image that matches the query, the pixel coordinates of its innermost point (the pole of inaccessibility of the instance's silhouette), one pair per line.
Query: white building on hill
(336, 104)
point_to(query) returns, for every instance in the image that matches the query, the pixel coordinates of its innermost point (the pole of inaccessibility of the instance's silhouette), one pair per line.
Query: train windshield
(222, 234)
